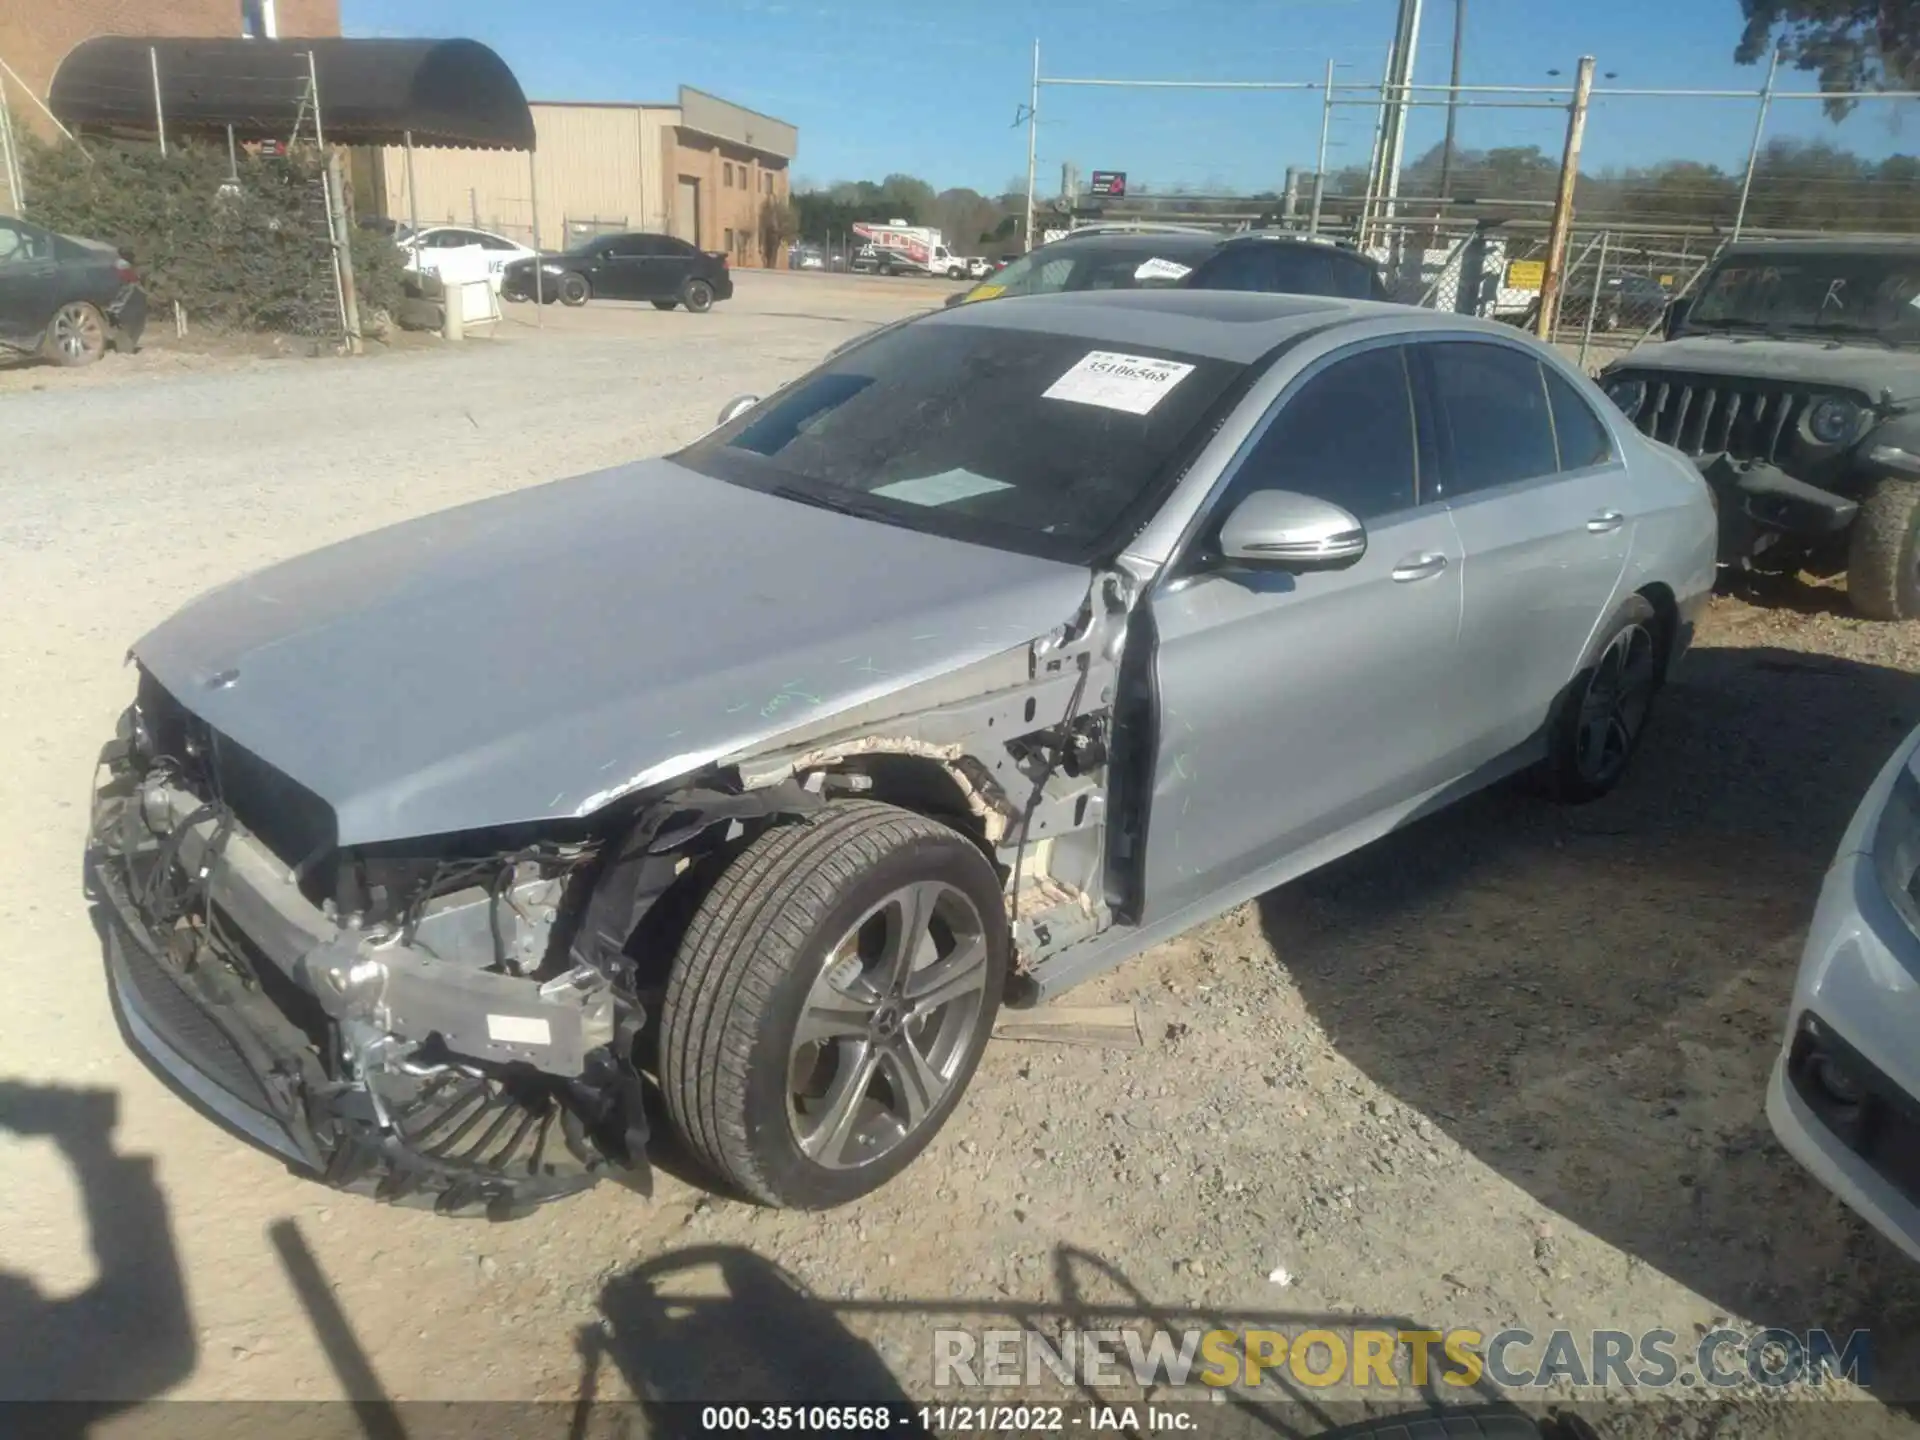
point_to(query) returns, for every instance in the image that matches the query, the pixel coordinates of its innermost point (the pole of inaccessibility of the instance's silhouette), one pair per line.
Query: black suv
(1112, 260)
(1791, 376)
(660, 268)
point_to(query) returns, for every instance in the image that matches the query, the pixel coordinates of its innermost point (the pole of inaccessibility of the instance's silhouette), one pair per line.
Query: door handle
(1419, 567)
(1606, 522)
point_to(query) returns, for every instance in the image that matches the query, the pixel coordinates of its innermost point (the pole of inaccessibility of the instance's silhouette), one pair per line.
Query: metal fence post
(539, 284)
(10, 154)
(1320, 165)
(1563, 201)
(1593, 301)
(159, 110)
(1033, 139)
(1753, 151)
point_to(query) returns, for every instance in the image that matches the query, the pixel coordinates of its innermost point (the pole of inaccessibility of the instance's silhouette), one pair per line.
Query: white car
(425, 251)
(1844, 1097)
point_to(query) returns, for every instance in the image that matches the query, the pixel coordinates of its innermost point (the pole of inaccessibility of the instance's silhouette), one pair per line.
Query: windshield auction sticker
(1133, 383)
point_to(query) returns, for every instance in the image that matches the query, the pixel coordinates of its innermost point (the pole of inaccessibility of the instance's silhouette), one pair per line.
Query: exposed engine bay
(463, 1021)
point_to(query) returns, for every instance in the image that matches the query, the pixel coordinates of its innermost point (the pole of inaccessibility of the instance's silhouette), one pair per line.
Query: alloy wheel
(1618, 696)
(77, 333)
(887, 1025)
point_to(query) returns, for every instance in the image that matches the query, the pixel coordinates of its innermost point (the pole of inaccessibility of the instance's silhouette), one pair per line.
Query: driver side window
(1346, 436)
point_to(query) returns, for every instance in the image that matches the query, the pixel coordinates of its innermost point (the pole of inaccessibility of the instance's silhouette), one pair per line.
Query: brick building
(35, 35)
(700, 167)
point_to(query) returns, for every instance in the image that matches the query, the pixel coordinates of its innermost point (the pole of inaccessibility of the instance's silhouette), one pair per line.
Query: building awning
(372, 92)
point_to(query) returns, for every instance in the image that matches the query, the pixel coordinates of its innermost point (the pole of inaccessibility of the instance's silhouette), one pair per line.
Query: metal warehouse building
(701, 168)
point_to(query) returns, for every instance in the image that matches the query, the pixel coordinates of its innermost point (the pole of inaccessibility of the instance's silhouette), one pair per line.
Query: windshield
(1862, 293)
(1145, 263)
(1045, 444)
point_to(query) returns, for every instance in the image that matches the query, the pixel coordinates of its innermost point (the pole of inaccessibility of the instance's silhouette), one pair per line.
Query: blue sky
(932, 90)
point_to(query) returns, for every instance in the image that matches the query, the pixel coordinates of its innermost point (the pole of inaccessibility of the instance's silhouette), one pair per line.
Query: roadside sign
(1109, 182)
(1666, 282)
(1526, 274)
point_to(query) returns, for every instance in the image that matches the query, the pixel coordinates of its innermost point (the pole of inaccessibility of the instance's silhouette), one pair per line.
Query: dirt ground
(1504, 1068)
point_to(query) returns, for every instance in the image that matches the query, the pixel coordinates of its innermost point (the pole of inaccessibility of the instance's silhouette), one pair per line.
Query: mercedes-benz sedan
(1000, 646)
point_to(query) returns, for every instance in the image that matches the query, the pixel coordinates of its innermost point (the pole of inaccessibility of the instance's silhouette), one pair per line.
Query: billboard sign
(1109, 182)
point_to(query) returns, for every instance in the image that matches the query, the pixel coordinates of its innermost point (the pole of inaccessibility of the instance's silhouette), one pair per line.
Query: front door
(1542, 503)
(1292, 706)
(29, 281)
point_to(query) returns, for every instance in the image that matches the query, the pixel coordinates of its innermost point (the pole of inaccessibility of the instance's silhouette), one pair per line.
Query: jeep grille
(1710, 415)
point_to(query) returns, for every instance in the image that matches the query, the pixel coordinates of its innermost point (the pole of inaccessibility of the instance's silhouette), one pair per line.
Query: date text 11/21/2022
(903, 1419)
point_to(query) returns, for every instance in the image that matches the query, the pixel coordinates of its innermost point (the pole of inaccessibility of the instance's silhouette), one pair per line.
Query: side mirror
(736, 407)
(1278, 529)
(1676, 321)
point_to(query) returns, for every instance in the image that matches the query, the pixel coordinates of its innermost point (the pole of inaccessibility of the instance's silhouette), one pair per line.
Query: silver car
(1008, 642)
(1845, 1093)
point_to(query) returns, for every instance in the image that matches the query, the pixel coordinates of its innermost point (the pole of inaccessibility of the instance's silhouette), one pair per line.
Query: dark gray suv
(1791, 376)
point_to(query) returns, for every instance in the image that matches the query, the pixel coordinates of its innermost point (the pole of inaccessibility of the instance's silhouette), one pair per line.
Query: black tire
(77, 335)
(697, 297)
(1883, 564)
(665, 304)
(751, 967)
(574, 289)
(1602, 715)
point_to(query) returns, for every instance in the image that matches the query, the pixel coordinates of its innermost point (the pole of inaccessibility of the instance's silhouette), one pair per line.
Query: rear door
(675, 262)
(1542, 502)
(29, 281)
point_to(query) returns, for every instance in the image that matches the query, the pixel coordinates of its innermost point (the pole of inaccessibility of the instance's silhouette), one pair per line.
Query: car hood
(1866, 368)
(536, 655)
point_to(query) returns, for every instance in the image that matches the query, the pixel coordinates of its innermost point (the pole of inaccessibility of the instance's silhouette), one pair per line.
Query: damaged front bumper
(361, 1058)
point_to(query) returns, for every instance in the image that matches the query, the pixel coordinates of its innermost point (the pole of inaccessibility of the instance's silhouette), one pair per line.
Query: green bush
(247, 256)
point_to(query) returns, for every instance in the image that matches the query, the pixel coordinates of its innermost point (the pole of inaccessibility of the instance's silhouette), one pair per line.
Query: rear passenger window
(1238, 267)
(1582, 437)
(1493, 411)
(1345, 436)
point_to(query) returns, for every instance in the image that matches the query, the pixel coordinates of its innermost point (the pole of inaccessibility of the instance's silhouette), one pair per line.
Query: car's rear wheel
(574, 289)
(665, 304)
(1603, 713)
(830, 1001)
(698, 296)
(1883, 553)
(77, 335)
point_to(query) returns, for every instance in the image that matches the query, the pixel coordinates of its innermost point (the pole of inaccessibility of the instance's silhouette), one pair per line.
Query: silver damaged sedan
(1011, 640)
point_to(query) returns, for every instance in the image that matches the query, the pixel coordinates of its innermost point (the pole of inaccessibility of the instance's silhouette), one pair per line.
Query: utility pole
(1033, 138)
(1453, 101)
(1393, 145)
(1563, 201)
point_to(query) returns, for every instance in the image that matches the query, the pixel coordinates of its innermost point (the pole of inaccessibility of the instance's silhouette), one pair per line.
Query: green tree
(1853, 45)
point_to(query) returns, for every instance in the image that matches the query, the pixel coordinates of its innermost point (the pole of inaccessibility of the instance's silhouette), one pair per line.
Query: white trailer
(897, 248)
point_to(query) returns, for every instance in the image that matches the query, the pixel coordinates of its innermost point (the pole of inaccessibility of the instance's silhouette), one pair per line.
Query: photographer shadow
(129, 1335)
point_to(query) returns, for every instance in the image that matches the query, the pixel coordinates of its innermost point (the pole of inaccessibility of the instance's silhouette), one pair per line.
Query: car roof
(1166, 242)
(1825, 245)
(1232, 325)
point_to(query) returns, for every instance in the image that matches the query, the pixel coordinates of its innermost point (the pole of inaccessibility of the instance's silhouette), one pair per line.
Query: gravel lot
(1505, 1067)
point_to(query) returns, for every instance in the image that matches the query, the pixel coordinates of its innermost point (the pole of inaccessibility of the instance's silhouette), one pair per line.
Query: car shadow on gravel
(723, 1323)
(1589, 1000)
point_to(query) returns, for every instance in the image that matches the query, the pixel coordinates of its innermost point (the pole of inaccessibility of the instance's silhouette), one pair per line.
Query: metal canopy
(372, 92)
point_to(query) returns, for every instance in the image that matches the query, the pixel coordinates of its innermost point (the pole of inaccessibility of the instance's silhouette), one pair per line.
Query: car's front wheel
(1883, 553)
(830, 1001)
(1604, 712)
(77, 336)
